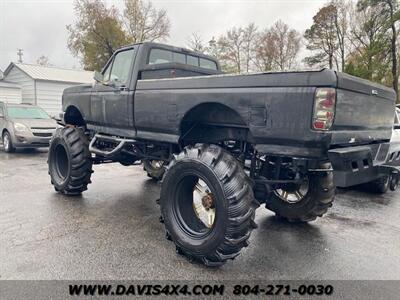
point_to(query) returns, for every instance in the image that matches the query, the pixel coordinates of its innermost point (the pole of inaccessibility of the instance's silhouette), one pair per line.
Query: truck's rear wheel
(155, 168)
(70, 162)
(306, 201)
(207, 205)
(378, 186)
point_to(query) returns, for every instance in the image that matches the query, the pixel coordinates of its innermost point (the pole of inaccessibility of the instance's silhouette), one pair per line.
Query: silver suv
(25, 126)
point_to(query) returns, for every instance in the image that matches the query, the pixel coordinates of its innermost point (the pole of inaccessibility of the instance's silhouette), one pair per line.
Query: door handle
(120, 89)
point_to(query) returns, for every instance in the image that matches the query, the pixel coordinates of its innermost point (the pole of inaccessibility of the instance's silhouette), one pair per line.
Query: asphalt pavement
(113, 232)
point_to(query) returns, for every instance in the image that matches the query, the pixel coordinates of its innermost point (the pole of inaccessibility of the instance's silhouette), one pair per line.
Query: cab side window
(1, 111)
(161, 56)
(119, 69)
(192, 60)
(207, 64)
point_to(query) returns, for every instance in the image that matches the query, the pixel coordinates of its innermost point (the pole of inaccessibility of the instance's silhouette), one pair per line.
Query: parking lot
(113, 232)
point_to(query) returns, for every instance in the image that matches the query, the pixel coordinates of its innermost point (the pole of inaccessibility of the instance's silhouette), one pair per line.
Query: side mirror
(111, 84)
(98, 76)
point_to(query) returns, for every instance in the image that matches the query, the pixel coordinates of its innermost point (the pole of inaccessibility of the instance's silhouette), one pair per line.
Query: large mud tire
(315, 203)
(69, 160)
(233, 200)
(378, 186)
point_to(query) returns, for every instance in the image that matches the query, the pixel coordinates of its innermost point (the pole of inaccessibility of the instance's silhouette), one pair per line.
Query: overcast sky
(38, 26)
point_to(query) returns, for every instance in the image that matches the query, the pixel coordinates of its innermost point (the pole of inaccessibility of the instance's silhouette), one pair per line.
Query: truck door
(112, 99)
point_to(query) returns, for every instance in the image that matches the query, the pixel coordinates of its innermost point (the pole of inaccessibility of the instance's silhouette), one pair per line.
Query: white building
(10, 92)
(40, 85)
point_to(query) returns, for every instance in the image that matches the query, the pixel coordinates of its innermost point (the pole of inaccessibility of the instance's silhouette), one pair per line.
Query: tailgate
(364, 109)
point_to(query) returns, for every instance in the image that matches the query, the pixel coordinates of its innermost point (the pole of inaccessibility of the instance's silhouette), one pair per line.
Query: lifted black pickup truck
(223, 144)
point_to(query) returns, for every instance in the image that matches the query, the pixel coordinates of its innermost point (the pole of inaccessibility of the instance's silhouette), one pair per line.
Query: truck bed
(275, 107)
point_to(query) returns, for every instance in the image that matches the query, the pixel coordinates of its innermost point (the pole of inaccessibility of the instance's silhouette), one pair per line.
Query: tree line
(100, 30)
(357, 37)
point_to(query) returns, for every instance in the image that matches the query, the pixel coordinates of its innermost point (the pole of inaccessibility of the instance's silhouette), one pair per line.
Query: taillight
(324, 108)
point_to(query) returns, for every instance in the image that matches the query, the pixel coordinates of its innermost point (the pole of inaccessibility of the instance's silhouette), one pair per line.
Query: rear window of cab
(162, 56)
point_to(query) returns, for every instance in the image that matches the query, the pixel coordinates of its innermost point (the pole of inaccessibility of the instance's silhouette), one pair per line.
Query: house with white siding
(42, 85)
(10, 92)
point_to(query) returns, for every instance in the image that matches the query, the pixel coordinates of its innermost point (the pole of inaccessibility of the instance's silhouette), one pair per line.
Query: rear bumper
(361, 164)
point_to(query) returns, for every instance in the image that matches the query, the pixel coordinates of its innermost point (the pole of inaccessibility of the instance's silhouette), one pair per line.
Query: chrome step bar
(107, 154)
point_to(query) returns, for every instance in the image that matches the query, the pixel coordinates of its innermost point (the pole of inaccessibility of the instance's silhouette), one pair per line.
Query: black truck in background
(222, 144)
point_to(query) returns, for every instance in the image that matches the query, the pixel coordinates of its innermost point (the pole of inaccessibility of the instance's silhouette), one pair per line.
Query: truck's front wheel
(207, 205)
(304, 202)
(70, 162)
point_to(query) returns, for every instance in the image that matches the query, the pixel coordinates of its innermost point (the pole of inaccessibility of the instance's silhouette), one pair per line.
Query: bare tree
(322, 37)
(231, 49)
(144, 22)
(287, 43)
(195, 43)
(265, 51)
(249, 38)
(236, 48)
(43, 61)
(277, 48)
(342, 20)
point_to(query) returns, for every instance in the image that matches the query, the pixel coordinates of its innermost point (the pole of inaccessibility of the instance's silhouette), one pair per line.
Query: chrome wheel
(293, 194)
(203, 203)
